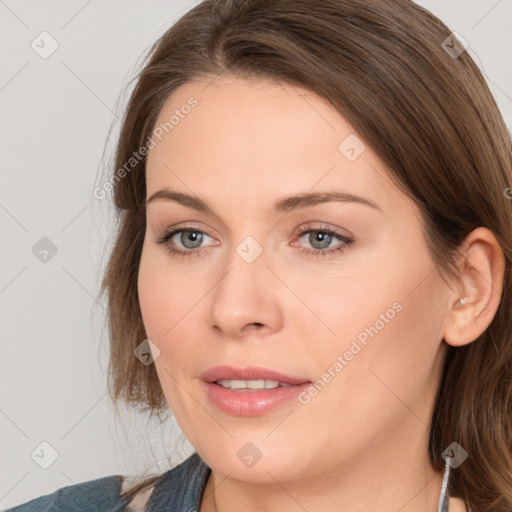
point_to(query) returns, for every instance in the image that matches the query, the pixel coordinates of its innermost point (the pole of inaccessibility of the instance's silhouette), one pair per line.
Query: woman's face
(352, 304)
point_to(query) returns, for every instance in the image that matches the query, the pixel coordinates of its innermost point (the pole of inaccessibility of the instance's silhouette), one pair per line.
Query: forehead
(268, 118)
(257, 137)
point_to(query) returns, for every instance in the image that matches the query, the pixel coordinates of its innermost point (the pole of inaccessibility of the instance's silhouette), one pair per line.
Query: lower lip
(251, 403)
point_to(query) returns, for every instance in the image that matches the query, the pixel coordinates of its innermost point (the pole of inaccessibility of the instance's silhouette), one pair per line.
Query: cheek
(166, 304)
(388, 328)
(170, 303)
(165, 295)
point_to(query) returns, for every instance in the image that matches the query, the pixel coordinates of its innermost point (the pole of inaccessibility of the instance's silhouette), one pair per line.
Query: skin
(361, 443)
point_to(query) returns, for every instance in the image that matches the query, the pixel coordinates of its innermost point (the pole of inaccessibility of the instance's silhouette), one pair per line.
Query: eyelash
(347, 242)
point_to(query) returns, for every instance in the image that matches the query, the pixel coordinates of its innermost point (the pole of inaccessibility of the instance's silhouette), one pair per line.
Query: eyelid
(168, 233)
(186, 226)
(304, 228)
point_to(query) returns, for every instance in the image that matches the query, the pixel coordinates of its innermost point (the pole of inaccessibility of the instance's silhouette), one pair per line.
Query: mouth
(250, 391)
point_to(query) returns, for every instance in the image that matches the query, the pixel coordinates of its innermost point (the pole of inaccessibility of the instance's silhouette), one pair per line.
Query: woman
(313, 264)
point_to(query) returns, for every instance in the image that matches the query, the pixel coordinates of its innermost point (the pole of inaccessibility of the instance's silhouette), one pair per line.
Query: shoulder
(179, 488)
(101, 494)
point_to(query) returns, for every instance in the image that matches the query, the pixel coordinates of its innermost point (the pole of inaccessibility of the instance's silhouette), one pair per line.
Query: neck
(390, 480)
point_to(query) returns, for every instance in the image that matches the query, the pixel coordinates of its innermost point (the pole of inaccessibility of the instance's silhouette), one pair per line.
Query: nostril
(254, 325)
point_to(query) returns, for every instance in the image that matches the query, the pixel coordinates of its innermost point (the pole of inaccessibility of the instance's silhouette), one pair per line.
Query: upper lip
(226, 372)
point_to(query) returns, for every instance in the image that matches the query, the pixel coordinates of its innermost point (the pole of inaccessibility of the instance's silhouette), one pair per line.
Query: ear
(480, 284)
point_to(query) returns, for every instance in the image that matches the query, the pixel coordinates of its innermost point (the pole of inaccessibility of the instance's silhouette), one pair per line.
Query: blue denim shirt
(180, 489)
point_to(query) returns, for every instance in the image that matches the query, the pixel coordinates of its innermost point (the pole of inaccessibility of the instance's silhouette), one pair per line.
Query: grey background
(56, 115)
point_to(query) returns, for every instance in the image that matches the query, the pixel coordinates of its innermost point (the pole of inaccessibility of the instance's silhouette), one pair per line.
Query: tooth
(256, 384)
(271, 384)
(238, 384)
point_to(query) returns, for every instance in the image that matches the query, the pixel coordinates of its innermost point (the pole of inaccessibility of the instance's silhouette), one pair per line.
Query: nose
(246, 299)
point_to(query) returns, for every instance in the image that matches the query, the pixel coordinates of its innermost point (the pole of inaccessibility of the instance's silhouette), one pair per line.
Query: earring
(460, 303)
(442, 506)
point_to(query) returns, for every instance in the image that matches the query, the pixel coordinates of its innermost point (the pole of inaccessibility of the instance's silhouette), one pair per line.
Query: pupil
(192, 236)
(320, 237)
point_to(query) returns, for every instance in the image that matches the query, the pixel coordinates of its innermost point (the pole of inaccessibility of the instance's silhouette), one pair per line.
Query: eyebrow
(284, 205)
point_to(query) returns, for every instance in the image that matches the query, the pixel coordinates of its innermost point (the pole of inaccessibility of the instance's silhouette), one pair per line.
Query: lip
(226, 372)
(250, 403)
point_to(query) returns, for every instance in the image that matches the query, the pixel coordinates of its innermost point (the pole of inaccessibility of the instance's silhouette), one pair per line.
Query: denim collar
(182, 487)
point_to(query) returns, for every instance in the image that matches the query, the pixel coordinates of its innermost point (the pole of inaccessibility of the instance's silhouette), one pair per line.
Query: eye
(321, 239)
(189, 238)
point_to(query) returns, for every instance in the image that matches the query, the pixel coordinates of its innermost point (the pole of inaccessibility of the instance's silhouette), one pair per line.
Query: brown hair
(432, 120)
